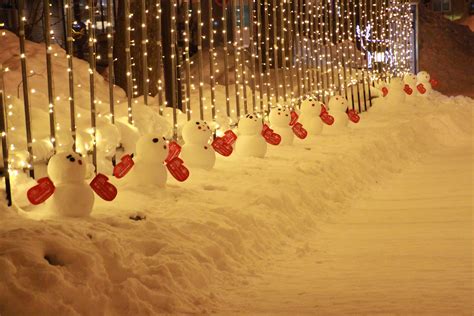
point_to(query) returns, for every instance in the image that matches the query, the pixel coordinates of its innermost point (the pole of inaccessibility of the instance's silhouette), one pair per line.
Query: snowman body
(151, 152)
(73, 199)
(423, 78)
(73, 196)
(396, 95)
(309, 117)
(196, 150)
(250, 142)
(280, 119)
(337, 109)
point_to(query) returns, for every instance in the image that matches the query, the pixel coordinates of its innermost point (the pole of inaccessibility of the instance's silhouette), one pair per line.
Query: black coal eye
(164, 138)
(68, 156)
(197, 123)
(155, 140)
(72, 159)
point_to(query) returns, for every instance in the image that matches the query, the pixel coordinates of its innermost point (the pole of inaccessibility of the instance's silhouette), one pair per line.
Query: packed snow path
(404, 249)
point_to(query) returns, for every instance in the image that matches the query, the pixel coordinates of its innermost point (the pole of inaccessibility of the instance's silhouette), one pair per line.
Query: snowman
(338, 106)
(423, 83)
(310, 116)
(250, 141)
(71, 195)
(150, 153)
(396, 94)
(410, 86)
(381, 89)
(280, 119)
(197, 152)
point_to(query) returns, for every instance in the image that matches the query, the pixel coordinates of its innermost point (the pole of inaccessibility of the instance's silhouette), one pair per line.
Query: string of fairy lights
(278, 53)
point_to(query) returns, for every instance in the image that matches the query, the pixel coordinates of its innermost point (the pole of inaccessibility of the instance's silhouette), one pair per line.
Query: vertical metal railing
(49, 71)
(3, 131)
(26, 90)
(92, 66)
(70, 60)
(296, 48)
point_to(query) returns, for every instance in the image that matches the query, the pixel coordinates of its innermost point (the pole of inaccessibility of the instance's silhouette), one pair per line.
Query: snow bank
(108, 136)
(174, 250)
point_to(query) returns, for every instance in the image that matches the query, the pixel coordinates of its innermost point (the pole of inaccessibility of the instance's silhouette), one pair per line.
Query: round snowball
(338, 103)
(251, 146)
(73, 199)
(396, 93)
(410, 79)
(67, 167)
(311, 108)
(280, 117)
(250, 124)
(196, 132)
(423, 76)
(151, 147)
(199, 156)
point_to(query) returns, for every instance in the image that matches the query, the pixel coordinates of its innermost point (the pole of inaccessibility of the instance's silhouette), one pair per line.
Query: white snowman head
(67, 167)
(338, 103)
(280, 117)
(307, 101)
(410, 79)
(152, 148)
(196, 132)
(311, 108)
(423, 76)
(250, 124)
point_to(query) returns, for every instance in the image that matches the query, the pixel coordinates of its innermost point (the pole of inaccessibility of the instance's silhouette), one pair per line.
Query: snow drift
(174, 250)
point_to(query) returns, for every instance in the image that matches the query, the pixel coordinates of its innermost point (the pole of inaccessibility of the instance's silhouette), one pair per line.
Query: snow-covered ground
(220, 230)
(405, 248)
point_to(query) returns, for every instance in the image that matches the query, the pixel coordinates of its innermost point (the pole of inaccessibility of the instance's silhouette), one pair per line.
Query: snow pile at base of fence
(146, 118)
(175, 250)
(39, 104)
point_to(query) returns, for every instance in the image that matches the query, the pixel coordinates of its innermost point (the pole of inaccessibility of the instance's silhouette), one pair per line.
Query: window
(441, 5)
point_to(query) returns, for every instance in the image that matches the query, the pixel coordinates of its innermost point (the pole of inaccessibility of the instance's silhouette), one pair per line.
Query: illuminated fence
(210, 59)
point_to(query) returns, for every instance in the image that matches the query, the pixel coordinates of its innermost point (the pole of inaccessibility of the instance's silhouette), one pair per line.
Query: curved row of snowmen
(155, 157)
(408, 88)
